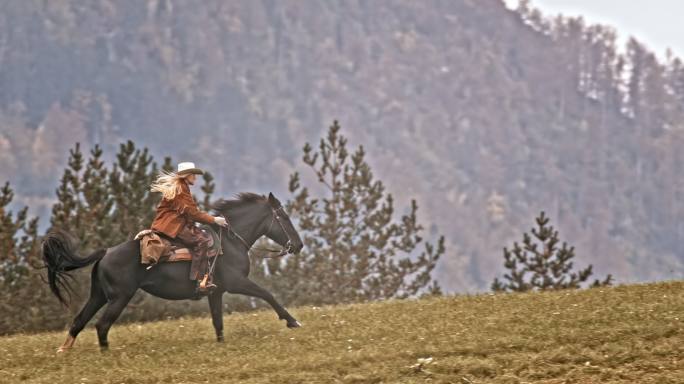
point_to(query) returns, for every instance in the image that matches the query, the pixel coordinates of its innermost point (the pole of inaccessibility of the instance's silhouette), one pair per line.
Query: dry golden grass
(627, 334)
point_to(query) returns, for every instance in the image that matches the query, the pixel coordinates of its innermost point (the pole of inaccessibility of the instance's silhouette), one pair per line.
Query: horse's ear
(273, 201)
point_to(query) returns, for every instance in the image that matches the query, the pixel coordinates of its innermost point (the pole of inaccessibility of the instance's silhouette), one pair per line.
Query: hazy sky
(657, 23)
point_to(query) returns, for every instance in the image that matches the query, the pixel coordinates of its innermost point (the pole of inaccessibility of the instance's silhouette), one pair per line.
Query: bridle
(274, 218)
(280, 253)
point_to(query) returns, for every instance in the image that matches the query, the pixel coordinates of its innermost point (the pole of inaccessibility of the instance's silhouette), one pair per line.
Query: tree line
(356, 250)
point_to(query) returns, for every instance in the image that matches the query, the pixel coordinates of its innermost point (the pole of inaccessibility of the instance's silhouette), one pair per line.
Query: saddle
(157, 248)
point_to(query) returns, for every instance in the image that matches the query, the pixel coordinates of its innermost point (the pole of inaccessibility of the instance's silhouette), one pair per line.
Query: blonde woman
(176, 214)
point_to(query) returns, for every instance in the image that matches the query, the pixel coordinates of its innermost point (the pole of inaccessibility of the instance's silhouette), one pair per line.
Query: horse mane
(241, 199)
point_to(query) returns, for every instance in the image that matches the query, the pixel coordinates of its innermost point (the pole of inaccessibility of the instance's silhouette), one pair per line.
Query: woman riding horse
(117, 272)
(176, 216)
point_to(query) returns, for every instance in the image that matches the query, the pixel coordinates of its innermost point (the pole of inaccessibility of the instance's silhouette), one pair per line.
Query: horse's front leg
(216, 308)
(234, 283)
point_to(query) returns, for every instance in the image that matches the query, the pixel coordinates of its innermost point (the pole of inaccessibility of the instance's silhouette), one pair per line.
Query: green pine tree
(18, 241)
(25, 302)
(130, 180)
(84, 202)
(354, 248)
(67, 211)
(97, 198)
(540, 264)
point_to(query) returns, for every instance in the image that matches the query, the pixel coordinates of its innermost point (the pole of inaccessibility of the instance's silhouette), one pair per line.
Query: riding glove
(221, 221)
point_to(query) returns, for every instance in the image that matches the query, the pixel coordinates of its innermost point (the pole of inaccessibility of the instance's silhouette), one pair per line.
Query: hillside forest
(482, 114)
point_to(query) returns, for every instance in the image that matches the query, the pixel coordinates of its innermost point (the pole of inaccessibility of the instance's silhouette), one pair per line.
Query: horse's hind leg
(111, 313)
(95, 302)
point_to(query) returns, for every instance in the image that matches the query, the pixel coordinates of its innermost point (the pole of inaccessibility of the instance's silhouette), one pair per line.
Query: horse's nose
(297, 247)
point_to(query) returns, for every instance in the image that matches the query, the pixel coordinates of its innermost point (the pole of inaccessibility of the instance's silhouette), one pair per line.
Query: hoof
(220, 339)
(294, 324)
(68, 344)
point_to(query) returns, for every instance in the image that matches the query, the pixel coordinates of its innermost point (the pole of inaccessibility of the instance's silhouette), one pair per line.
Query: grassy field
(627, 334)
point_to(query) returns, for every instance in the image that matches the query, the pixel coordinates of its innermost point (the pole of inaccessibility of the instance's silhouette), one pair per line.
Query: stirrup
(205, 285)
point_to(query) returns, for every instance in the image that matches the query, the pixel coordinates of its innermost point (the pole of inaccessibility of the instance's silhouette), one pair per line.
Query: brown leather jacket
(174, 215)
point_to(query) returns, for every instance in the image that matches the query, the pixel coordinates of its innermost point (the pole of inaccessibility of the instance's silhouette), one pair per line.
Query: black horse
(118, 274)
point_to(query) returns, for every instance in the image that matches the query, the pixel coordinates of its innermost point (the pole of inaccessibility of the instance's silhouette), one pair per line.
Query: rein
(280, 253)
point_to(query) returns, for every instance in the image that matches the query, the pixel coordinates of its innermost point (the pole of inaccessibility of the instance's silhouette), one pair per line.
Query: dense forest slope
(485, 115)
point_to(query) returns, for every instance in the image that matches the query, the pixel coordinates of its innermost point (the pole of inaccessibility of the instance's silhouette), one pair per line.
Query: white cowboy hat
(187, 168)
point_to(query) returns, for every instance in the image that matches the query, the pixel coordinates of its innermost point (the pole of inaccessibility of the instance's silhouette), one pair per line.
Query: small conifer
(541, 264)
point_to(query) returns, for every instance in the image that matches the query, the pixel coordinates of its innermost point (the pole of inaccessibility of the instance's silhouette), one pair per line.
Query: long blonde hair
(168, 183)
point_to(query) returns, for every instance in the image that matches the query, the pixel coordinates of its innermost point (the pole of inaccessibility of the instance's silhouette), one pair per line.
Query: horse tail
(59, 258)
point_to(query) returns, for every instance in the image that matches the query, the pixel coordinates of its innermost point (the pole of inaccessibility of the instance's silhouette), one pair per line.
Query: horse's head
(253, 216)
(281, 229)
